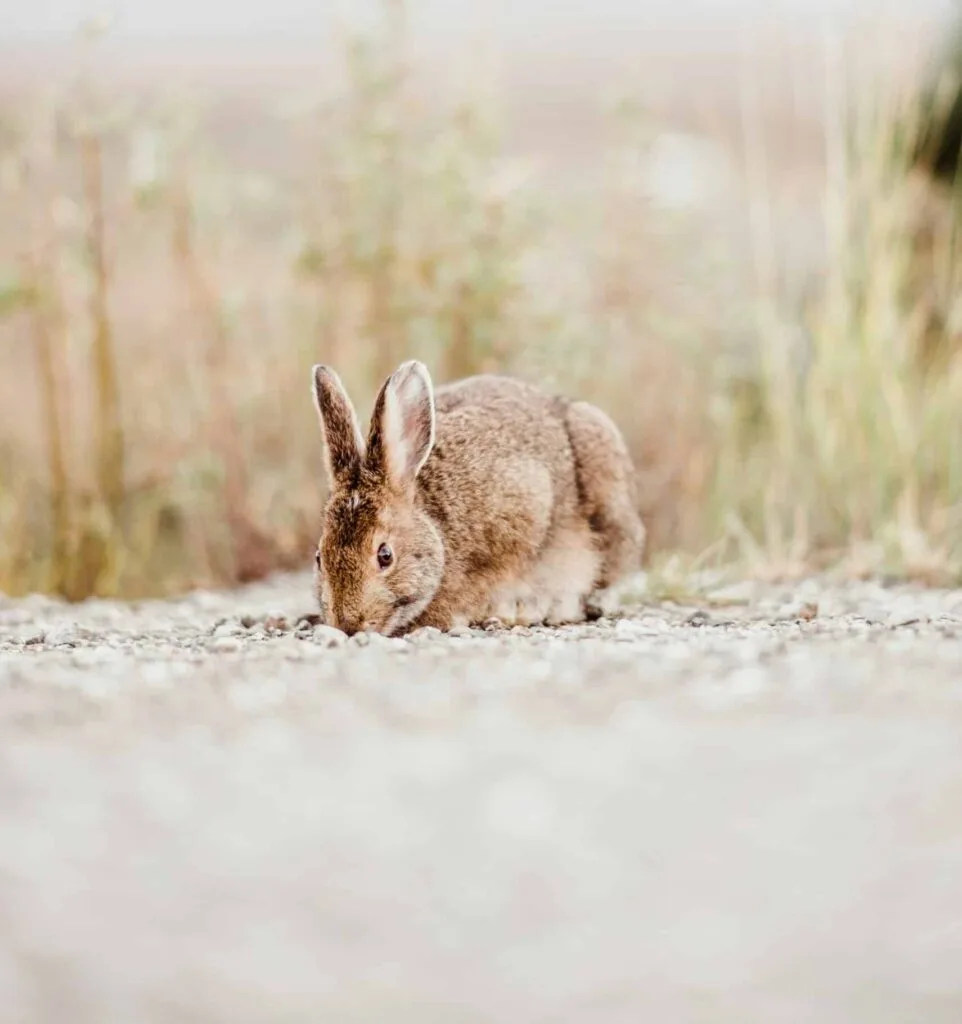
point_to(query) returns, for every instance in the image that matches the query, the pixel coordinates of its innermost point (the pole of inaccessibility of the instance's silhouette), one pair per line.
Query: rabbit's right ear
(402, 425)
(343, 443)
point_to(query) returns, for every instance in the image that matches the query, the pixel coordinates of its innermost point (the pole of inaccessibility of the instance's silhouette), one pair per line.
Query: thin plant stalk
(47, 349)
(109, 427)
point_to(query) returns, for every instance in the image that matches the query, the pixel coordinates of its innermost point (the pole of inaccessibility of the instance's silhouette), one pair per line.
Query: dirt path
(209, 814)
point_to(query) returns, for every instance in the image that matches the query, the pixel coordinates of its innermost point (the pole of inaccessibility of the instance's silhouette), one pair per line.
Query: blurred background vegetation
(747, 252)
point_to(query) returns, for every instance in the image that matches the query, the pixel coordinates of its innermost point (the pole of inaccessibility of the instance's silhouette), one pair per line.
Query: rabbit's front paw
(518, 604)
(565, 610)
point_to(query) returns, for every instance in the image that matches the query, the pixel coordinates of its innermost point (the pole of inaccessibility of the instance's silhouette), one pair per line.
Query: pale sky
(509, 18)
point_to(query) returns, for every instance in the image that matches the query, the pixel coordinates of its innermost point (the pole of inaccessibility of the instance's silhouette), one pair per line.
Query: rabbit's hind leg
(566, 574)
(606, 479)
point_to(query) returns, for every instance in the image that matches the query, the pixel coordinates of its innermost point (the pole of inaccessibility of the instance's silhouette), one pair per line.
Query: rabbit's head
(380, 558)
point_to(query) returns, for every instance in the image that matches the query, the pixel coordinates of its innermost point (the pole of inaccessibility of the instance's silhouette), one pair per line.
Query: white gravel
(749, 814)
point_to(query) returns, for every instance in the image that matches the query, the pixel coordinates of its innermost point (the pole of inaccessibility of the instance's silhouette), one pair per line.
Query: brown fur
(496, 499)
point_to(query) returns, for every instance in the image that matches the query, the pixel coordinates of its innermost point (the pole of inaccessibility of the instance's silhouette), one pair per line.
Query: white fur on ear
(408, 423)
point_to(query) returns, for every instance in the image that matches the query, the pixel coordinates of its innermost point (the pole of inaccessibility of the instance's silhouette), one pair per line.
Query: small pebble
(425, 633)
(328, 636)
(226, 644)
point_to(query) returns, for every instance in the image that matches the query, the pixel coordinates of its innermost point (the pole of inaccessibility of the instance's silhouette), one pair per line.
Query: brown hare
(485, 499)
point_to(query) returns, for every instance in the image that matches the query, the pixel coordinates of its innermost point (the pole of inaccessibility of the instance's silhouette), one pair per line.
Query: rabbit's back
(492, 430)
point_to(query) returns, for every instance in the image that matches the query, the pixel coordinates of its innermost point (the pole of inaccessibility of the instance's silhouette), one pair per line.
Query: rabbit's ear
(343, 443)
(402, 425)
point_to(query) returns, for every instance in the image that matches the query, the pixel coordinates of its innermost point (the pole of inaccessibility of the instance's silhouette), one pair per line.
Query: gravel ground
(751, 812)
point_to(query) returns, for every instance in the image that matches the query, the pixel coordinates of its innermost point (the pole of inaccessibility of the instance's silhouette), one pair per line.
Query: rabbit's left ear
(343, 444)
(402, 425)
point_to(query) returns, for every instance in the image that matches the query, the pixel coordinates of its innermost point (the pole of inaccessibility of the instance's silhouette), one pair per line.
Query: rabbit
(487, 499)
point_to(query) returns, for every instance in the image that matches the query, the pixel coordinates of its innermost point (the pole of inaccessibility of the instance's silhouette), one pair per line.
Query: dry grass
(854, 459)
(160, 306)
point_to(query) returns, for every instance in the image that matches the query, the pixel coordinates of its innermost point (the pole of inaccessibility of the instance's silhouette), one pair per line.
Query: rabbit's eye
(385, 556)
(317, 558)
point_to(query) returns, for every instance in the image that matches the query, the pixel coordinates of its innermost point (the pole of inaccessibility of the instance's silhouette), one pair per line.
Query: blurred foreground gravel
(748, 813)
